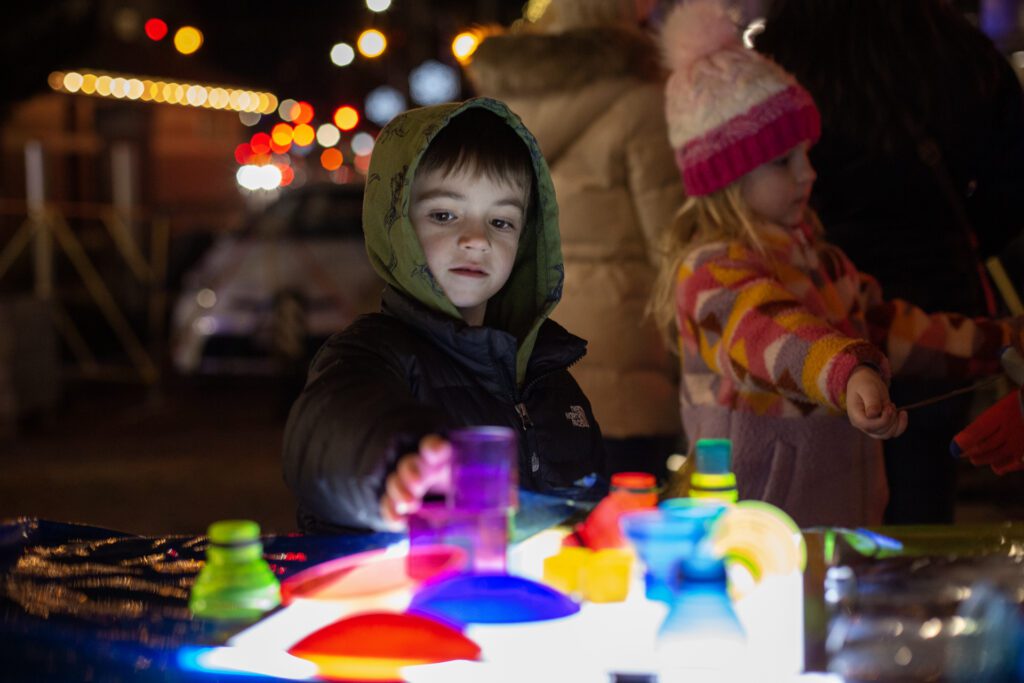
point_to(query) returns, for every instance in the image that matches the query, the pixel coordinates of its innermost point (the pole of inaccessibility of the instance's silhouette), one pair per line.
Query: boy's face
(469, 227)
(778, 190)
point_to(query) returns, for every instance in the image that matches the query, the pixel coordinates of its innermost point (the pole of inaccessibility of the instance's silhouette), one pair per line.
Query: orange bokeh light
(346, 118)
(331, 159)
(281, 134)
(302, 112)
(279, 149)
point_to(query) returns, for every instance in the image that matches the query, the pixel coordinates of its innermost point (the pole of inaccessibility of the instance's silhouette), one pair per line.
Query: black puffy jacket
(393, 377)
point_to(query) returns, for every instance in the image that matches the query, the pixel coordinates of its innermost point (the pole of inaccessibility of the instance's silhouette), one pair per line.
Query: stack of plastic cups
(713, 477)
(484, 494)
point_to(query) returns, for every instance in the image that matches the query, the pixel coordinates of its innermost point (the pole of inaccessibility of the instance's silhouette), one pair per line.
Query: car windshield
(319, 211)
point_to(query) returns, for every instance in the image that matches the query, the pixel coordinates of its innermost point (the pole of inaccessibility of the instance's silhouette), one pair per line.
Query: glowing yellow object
(562, 570)
(605, 575)
(758, 539)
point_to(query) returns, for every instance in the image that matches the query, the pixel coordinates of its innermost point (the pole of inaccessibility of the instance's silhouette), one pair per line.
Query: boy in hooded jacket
(460, 221)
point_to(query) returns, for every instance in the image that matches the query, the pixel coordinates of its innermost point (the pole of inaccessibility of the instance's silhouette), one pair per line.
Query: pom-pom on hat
(729, 109)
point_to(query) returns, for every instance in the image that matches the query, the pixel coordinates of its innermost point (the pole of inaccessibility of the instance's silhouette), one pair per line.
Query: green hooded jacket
(535, 285)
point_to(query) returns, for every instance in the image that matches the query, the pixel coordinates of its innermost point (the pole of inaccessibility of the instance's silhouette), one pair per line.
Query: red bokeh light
(156, 29)
(260, 143)
(287, 176)
(243, 153)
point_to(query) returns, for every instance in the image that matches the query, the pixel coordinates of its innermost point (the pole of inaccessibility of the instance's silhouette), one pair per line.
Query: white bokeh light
(433, 83)
(342, 54)
(362, 144)
(384, 103)
(378, 5)
(253, 177)
(328, 135)
(284, 110)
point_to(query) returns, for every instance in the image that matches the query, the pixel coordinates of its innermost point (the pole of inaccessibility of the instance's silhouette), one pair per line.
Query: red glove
(996, 437)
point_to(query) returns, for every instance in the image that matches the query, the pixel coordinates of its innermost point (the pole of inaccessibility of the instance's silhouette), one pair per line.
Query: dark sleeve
(355, 417)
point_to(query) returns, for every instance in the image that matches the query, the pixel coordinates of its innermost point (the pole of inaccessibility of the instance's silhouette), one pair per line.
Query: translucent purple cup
(485, 469)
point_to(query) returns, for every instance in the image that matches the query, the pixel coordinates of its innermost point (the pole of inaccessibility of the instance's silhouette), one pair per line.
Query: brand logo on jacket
(577, 417)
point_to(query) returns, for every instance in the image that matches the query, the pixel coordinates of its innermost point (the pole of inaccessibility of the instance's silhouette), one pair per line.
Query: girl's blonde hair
(719, 216)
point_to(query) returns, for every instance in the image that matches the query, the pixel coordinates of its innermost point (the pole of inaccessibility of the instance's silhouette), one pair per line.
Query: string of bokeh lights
(266, 159)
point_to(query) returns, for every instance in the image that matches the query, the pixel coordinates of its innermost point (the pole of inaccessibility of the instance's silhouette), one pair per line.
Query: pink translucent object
(371, 573)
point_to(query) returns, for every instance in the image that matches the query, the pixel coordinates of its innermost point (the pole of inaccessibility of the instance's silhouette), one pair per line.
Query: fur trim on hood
(525, 64)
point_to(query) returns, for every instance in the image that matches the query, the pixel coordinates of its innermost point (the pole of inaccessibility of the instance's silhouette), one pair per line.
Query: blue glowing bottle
(701, 632)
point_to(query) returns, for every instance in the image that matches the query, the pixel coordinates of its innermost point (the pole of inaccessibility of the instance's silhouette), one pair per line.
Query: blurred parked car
(263, 299)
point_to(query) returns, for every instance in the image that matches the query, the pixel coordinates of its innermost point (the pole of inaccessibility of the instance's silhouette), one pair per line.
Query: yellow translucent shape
(347, 668)
(604, 577)
(562, 570)
(103, 85)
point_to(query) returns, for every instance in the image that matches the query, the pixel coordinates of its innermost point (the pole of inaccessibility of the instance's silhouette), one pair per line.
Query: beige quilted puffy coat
(594, 100)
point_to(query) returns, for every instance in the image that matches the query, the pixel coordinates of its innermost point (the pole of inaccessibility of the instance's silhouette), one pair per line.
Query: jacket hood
(535, 285)
(561, 83)
(529, 64)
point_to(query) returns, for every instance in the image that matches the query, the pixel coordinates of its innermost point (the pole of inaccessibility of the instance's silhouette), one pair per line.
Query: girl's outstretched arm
(739, 319)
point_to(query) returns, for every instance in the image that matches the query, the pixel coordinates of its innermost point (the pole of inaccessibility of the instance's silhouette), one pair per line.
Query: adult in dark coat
(920, 177)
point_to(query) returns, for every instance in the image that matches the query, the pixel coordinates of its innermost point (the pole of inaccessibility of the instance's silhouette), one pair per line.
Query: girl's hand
(414, 476)
(869, 408)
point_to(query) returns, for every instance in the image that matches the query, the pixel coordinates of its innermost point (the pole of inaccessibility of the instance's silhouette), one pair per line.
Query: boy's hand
(869, 408)
(414, 476)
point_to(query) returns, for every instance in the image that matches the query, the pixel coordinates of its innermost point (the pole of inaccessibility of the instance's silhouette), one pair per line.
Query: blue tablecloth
(85, 603)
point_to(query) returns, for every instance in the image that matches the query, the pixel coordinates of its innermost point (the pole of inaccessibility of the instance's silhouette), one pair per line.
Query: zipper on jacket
(531, 442)
(527, 423)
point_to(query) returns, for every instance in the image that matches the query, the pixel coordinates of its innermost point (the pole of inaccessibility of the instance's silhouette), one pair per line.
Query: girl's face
(777, 191)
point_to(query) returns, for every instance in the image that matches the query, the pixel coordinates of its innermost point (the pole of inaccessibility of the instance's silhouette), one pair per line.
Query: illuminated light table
(82, 602)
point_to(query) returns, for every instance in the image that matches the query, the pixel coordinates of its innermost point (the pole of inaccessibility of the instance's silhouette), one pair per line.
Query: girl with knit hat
(785, 347)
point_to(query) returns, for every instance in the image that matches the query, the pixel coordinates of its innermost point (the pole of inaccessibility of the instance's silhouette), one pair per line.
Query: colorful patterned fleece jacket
(778, 331)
